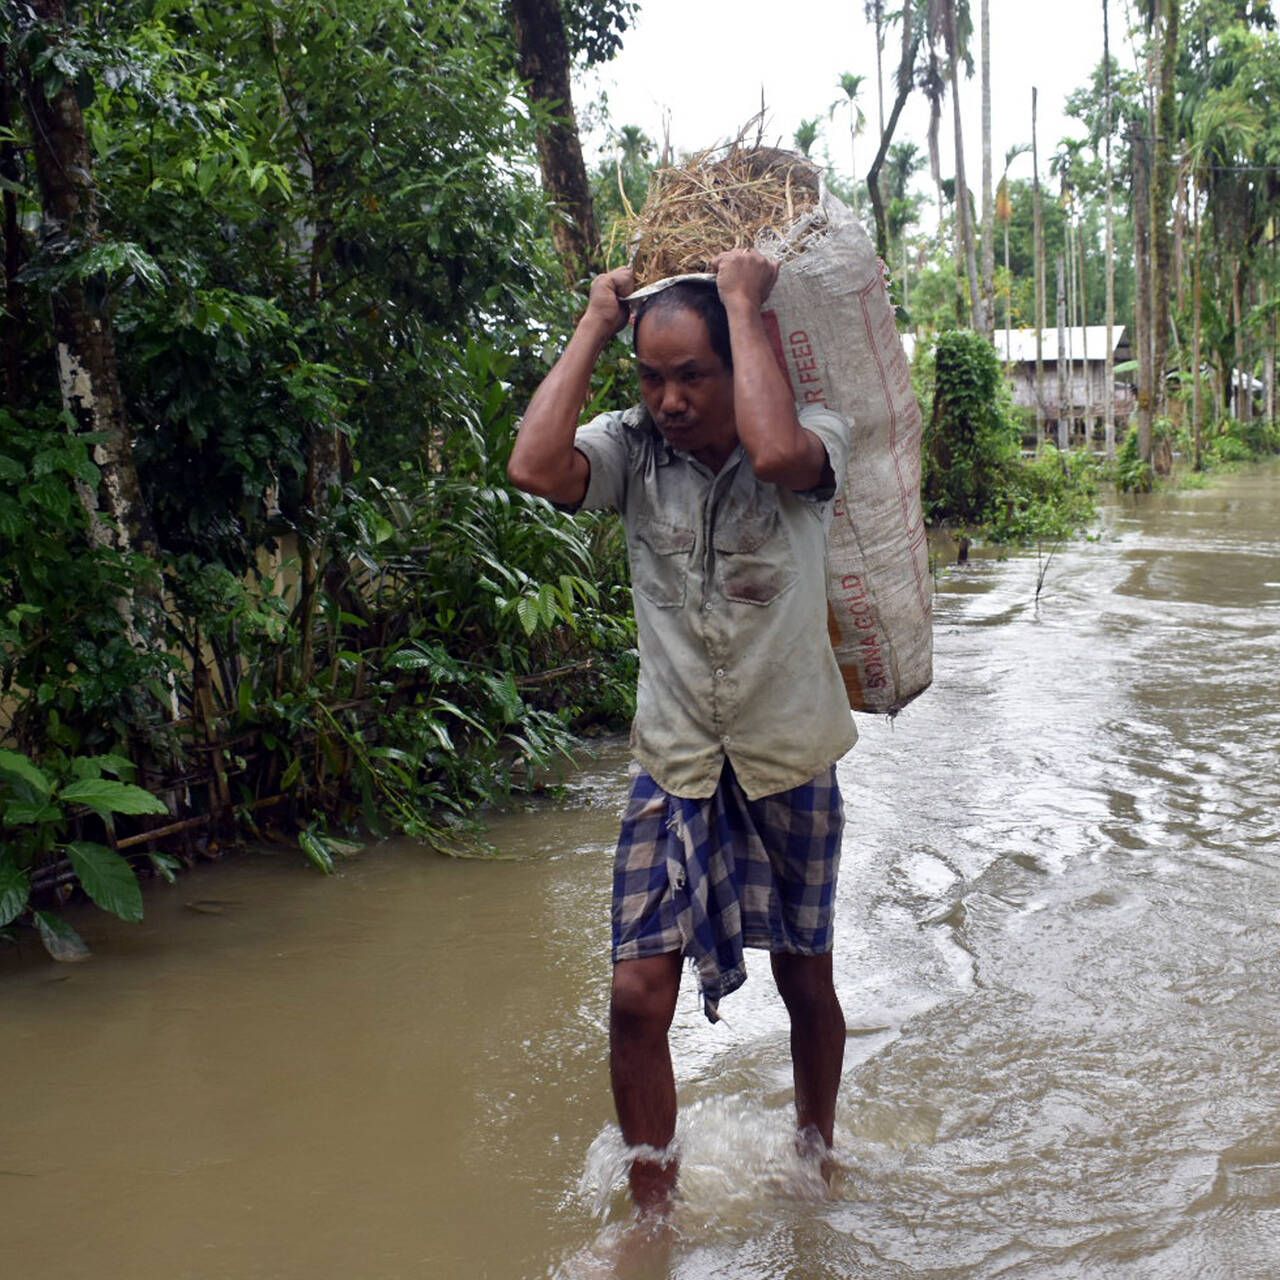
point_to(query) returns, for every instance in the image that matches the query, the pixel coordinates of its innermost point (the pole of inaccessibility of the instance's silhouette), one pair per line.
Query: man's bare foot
(812, 1148)
(653, 1182)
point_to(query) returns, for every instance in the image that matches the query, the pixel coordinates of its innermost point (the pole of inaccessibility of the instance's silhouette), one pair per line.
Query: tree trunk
(1269, 364)
(1041, 304)
(1142, 346)
(988, 206)
(1072, 320)
(1008, 300)
(1082, 289)
(878, 17)
(1270, 369)
(1064, 418)
(1197, 410)
(1109, 387)
(12, 319)
(967, 252)
(86, 357)
(544, 61)
(1243, 377)
(906, 68)
(1162, 195)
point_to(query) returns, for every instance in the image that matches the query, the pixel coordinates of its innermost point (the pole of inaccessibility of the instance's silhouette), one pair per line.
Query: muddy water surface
(1058, 952)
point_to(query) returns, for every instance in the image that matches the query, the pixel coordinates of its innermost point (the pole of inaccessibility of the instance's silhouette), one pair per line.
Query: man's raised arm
(544, 460)
(781, 450)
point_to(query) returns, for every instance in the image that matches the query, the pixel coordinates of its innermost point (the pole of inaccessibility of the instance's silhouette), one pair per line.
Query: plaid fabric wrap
(710, 877)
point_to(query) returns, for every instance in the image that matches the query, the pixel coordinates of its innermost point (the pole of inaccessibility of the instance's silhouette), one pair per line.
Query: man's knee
(644, 992)
(806, 984)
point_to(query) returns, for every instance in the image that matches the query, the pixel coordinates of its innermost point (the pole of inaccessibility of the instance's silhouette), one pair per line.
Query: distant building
(1084, 401)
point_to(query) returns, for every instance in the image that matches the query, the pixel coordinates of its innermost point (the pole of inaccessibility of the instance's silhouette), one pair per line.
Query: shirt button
(724, 737)
(708, 606)
(719, 673)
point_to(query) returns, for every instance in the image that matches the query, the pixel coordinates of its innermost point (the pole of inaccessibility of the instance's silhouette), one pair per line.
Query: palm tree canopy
(850, 85)
(806, 135)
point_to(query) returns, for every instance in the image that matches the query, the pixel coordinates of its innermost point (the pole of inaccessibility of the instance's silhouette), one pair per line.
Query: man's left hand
(744, 275)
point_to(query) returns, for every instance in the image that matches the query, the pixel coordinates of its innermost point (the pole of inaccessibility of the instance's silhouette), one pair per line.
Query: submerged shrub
(974, 472)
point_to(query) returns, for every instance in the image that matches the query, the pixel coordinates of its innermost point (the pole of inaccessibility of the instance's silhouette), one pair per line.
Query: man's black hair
(703, 299)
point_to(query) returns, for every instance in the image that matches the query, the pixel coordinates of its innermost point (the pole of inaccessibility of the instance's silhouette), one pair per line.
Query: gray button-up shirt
(728, 576)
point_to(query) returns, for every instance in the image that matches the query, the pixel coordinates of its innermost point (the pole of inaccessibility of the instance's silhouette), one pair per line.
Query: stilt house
(1080, 395)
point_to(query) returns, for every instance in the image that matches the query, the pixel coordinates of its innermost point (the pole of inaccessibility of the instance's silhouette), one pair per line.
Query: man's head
(686, 366)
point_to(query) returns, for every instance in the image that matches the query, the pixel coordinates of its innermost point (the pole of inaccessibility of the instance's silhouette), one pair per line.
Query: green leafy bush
(75, 616)
(37, 816)
(974, 472)
(1131, 473)
(1236, 441)
(970, 440)
(1050, 498)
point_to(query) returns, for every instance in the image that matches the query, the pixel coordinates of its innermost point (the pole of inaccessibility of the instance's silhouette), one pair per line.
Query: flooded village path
(1058, 950)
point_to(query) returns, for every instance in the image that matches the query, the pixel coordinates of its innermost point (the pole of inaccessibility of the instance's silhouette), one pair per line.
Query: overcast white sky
(706, 61)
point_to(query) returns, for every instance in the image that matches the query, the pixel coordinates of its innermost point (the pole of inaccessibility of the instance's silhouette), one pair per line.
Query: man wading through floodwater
(731, 836)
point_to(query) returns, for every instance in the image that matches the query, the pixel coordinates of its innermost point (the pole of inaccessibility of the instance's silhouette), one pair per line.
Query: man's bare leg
(644, 1088)
(817, 1038)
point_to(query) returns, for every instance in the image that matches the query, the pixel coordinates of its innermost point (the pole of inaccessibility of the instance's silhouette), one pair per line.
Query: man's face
(687, 388)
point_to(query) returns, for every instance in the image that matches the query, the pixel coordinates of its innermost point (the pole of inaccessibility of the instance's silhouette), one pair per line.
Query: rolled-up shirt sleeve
(603, 443)
(837, 438)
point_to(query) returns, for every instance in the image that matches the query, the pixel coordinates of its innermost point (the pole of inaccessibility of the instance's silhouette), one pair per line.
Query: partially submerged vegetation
(260, 571)
(977, 481)
(975, 478)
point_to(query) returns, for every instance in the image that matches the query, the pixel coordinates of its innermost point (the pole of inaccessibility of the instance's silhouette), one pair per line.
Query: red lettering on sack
(805, 368)
(857, 608)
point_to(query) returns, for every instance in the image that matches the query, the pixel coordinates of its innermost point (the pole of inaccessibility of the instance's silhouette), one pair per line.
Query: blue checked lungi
(709, 877)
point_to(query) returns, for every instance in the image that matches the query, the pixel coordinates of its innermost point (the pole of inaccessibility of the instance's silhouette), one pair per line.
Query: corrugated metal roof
(1018, 346)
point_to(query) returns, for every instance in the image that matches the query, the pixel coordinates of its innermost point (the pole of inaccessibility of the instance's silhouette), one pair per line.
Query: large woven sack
(834, 334)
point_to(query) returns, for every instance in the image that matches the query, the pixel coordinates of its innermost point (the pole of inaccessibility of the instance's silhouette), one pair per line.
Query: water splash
(737, 1159)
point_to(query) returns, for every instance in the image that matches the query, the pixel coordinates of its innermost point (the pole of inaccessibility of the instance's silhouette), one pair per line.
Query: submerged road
(1058, 952)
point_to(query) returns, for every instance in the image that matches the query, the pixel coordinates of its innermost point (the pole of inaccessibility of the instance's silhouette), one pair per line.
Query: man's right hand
(606, 314)
(543, 459)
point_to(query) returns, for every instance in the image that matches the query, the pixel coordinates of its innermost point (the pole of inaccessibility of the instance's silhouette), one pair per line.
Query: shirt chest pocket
(660, 562)
(754, 564)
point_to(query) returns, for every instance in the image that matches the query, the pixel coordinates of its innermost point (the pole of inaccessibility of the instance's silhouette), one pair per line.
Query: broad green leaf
(30, 813)
(527, 612)
(165, 865)
(15, 765)
(15, 888)
(291, 774)
(60, 940)
(107, 878)
(106, 795)
(121, 766)
(315, 849)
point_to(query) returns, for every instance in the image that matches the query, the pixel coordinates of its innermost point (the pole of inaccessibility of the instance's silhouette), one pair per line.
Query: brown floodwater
(1058, 952)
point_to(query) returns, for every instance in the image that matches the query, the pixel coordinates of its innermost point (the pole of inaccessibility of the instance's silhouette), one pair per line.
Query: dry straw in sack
(836, 340)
